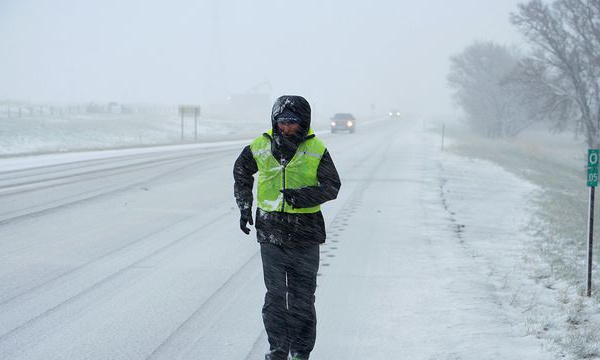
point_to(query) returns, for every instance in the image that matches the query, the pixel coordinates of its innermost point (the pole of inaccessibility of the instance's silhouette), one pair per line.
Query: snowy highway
(137, 254)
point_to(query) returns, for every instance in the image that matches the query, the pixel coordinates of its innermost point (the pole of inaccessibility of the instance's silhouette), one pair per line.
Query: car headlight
(349, 123)
(333, 123)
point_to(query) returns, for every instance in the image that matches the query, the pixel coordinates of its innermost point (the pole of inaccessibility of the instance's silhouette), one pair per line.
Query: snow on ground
(106, 131)
(437, 269)
(555, 250)
(71, 132)
(451, 275)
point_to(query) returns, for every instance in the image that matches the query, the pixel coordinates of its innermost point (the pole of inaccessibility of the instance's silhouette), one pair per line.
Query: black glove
(245, 218)
(292, 197)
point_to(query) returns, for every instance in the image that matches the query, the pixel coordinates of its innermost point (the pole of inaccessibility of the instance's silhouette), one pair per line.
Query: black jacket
(281, 228)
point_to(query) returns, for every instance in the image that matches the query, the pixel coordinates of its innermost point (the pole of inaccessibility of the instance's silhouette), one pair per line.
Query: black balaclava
(291, 109)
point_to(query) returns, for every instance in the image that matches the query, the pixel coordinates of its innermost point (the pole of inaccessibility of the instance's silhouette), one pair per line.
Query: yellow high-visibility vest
(299, 172)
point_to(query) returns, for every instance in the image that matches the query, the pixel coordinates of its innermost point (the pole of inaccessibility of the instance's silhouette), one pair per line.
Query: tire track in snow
(77, 177)
(7, 336)
(44, 208)
(106, 257)
(186, 338)
(343, 217)
(11, 177)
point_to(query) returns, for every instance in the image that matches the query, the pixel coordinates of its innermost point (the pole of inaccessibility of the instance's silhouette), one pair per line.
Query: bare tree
(485, 89)
(538, 96)
(566, 39)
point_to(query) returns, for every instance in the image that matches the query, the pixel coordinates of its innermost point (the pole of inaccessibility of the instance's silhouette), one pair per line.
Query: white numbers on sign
(592, 177)
(593, 160)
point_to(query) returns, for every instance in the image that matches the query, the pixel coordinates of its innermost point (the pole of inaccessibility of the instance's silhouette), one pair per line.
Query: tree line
(503, 90)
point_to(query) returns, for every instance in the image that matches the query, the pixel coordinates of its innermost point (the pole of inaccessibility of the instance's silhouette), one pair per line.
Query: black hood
(297, 105)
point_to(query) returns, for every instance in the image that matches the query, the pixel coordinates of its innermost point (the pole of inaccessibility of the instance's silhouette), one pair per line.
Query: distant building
(93, 108)
(249, 104)
(255, 102)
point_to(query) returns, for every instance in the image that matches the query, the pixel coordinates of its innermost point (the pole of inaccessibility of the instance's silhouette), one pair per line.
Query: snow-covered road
(138, 255)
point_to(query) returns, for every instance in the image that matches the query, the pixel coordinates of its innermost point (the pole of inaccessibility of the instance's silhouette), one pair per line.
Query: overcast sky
(342, 55)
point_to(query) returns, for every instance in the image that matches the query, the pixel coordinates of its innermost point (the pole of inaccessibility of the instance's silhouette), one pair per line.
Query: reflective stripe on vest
(301, 171)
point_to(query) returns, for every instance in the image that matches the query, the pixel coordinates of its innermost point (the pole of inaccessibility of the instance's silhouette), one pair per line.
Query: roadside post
(443, 128)
(190, 110)
(592, 182)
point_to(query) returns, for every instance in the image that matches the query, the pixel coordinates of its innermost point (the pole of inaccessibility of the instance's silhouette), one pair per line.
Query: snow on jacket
(280, 227)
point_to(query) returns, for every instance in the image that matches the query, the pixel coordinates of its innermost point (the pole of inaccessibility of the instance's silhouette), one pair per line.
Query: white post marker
(443, 128)
(592, 182)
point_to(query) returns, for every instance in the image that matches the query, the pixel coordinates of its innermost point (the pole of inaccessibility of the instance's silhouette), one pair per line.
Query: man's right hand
(245, 218)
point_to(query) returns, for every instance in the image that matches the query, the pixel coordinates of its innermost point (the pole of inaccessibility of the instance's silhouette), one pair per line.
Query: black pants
(289, 311)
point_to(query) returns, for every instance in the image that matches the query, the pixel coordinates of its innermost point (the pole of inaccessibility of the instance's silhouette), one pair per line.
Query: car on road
(394, 113)
(343, 122)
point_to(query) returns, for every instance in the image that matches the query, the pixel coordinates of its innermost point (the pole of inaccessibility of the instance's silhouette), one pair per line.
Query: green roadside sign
(592, 182)
(592, 173)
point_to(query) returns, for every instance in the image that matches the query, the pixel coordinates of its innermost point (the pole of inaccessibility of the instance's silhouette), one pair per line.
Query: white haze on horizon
(343, 56)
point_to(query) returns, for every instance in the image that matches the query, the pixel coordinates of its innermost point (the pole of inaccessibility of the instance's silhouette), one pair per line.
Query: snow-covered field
(555, 246)
(72, 132)
(29, 135)
(430, 255)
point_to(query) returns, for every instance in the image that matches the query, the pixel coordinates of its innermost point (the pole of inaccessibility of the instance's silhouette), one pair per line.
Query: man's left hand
(292, 196)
